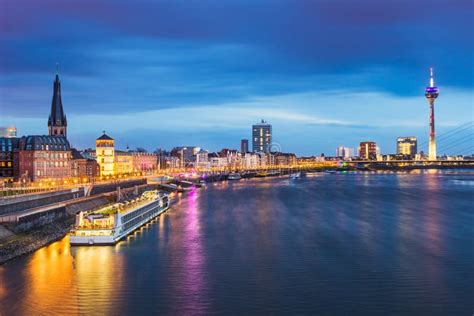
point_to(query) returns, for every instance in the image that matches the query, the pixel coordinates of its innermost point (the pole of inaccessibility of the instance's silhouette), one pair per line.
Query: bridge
(411, 164)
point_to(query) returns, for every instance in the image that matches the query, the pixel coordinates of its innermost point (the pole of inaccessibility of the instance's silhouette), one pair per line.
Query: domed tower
(57, 123)
(431, 93)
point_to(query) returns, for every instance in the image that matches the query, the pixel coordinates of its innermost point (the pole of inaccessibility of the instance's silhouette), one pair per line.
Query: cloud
(300, 121)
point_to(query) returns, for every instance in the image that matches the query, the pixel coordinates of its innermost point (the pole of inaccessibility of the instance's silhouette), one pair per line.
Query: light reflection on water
(329, 243)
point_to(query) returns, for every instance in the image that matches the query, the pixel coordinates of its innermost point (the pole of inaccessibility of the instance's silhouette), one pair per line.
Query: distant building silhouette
(344, 152)
(244, 146)
(8, 132)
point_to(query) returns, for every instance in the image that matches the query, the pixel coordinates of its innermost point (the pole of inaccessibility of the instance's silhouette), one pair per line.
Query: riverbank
(14, 245)
(15, 242)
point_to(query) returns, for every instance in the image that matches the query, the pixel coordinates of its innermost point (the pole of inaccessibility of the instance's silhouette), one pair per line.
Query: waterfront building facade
(250, 160)
(407, 146)
(217, 161)
(284, 159)
(8, 166)
(185, 154)
(105, 155)
(123, 163)
(171, 162)
(232, 157)
(144, 162)
(368, 150)
(202, 160)
(262, 137)
(44, 157)
(83, 168)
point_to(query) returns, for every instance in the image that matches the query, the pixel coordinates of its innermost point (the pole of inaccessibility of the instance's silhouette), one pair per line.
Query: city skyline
(236, 157)
(172, 83)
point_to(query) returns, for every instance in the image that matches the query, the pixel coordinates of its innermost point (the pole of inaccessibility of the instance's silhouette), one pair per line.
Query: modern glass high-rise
(261, 137)
(407, 146)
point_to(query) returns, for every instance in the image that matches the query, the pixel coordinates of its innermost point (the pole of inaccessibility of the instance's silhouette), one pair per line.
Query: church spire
(57, 123)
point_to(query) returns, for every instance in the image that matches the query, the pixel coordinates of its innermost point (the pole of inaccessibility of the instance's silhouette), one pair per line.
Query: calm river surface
(324, 244)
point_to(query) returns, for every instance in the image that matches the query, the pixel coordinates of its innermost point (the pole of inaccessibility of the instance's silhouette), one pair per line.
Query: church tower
(57, 123)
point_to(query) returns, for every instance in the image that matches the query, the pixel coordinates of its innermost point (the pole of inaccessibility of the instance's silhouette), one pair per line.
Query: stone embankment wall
(39, 200)
(11, 204)
(27, 236)
(104, 188)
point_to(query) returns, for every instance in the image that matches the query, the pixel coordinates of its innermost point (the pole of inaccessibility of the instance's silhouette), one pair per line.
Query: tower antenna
(431, 77)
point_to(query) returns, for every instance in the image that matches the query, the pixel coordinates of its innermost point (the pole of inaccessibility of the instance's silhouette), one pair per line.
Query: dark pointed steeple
(57, 123)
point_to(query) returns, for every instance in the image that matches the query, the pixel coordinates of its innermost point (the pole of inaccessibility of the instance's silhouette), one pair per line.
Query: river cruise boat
(234, 176)
(110, 224)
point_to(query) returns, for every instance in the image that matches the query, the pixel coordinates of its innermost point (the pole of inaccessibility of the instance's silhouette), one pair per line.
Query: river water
(369, 243)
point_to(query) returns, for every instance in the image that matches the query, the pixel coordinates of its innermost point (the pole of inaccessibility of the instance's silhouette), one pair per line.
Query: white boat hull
(112, 236)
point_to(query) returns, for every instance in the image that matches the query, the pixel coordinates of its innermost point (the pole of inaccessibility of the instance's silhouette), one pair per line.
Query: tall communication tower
(431, 94)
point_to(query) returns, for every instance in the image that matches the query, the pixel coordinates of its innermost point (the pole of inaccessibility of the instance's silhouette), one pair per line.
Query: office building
(407, 146)
(262, 137)
(368, 150)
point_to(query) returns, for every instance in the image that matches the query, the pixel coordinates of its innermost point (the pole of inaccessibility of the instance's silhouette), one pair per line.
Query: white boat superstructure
(110, 224)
